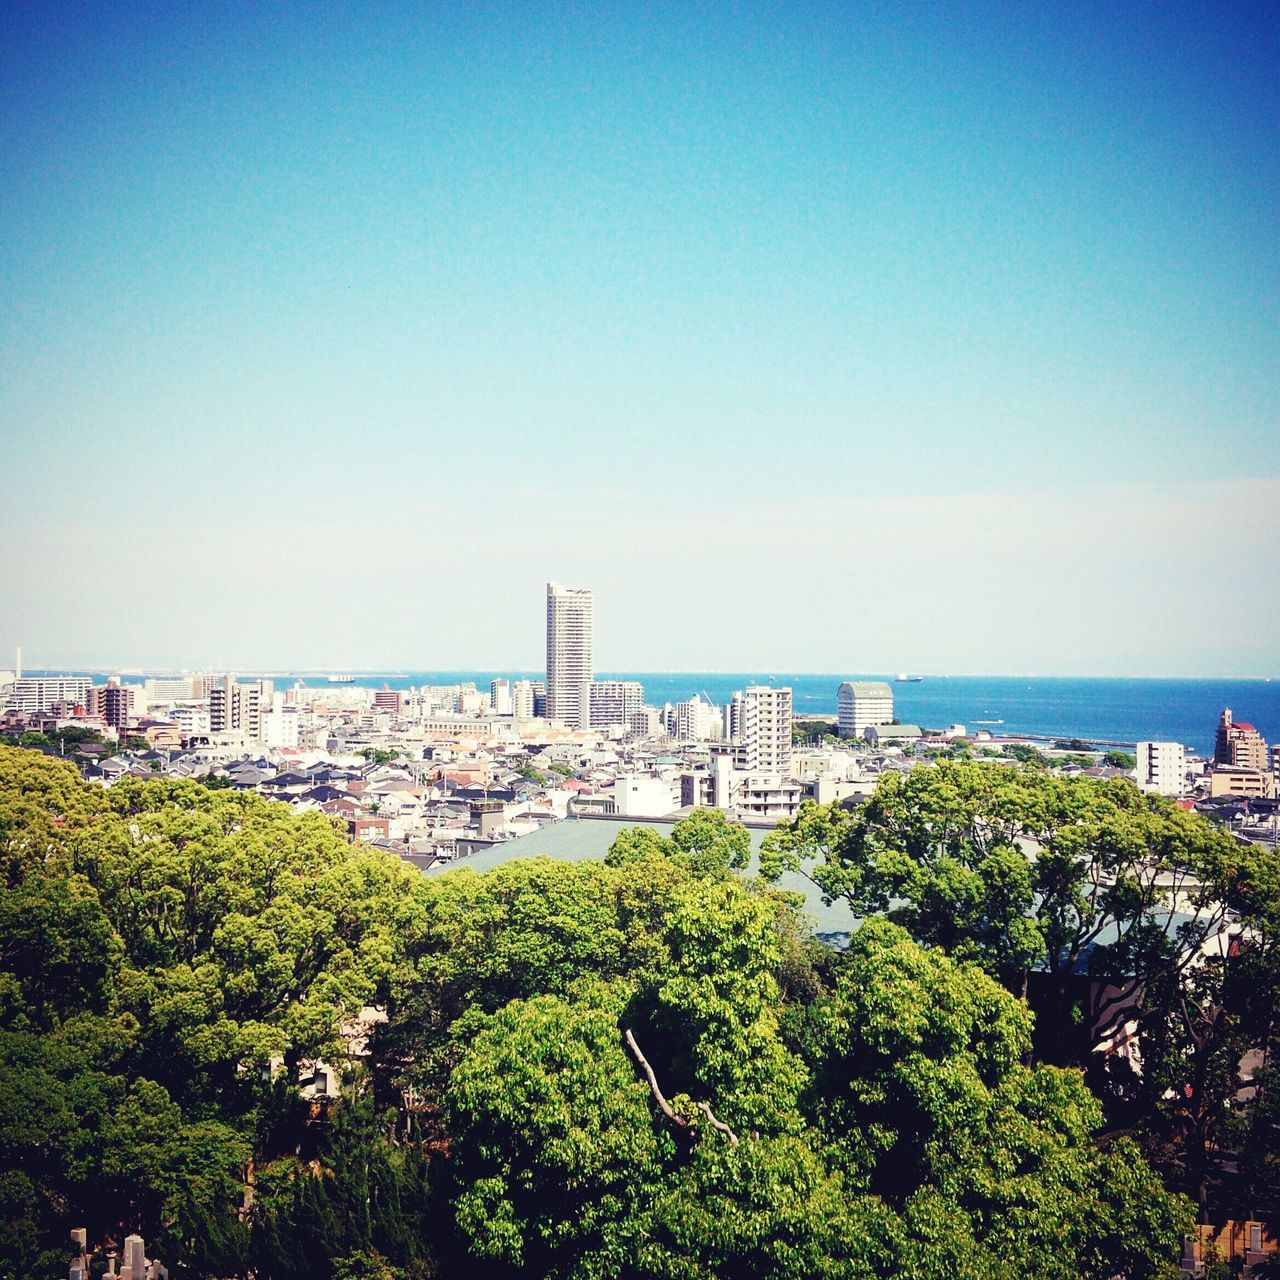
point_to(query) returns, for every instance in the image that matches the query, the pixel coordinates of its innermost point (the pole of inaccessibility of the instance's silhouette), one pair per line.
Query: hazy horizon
(780, 673)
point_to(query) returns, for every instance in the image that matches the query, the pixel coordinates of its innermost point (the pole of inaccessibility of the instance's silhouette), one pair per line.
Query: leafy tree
(635, 844)
(706, 843)
(816, 731)
(556, 1151)
(159, 944)
(1120, 760)
(1118, 905)
(639, 1068)
(1018, 870)
(917, 1134)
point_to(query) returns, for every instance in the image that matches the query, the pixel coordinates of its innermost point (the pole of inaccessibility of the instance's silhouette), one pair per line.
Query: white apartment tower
(522, 699)
(500, 697)
(693, 720)
(1161, 767)
(860, 704)
(615, 702)
(764, 729)
(571, 636)
(233, 705)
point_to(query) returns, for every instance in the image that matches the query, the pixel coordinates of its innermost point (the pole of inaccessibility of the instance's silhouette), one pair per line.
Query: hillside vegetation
(644, 1067)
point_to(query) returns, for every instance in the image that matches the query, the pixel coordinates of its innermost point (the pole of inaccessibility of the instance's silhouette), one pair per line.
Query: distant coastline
(1109, 708)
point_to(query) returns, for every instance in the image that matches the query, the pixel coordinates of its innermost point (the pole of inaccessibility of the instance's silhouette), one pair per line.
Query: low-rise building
(1161, 767)
(742, 793)
(644, 796)
(893, 735)
(1228, 781)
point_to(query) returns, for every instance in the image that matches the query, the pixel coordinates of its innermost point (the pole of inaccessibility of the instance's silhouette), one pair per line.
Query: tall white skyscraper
(571, 637)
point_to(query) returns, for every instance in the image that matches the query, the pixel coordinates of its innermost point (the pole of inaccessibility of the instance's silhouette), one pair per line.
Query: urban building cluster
(435, 772)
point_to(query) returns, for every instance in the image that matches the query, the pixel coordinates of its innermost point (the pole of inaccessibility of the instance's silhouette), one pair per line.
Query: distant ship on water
(903, 678)
(342, 679)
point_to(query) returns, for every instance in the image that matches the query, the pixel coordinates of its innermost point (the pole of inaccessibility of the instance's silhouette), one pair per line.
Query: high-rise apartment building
(113, 702)
(1161, 767)
(386, 699)
(279, 723)
(223, 709)
(522, 700)
(647, 722)
(32, 694)
(500, 697)
(1239, 745)
(763, 741)
(221, 705)
(691, 720)
(233, 705)
(733, 718)
(571, 636)
(860, 704)
(615, 702)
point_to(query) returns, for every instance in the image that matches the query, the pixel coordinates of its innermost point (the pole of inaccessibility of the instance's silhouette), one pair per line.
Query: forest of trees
(641, 1067)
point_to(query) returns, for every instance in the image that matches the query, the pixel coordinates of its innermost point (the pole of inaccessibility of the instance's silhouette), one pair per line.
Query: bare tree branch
(719, 1125)
(665, 1107)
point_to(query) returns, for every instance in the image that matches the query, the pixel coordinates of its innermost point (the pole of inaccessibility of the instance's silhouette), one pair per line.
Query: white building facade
(571, 637)
(615, 702)
(861, 704)
(32, 694)
(645, 796)
(1161, 767)
(522, 700)
(763, 743)
(692, 720)
(500, 697)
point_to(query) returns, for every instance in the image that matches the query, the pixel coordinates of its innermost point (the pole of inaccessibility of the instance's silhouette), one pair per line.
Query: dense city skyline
(936, 337)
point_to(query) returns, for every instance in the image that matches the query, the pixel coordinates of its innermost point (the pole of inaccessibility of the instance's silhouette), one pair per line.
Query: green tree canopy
(642, 1067)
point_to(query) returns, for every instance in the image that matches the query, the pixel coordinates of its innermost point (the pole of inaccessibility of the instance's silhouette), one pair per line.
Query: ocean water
(1109, 710)
(1114, 710)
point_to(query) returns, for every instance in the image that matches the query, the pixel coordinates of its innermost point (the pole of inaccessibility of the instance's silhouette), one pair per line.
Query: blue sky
(836, 336)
